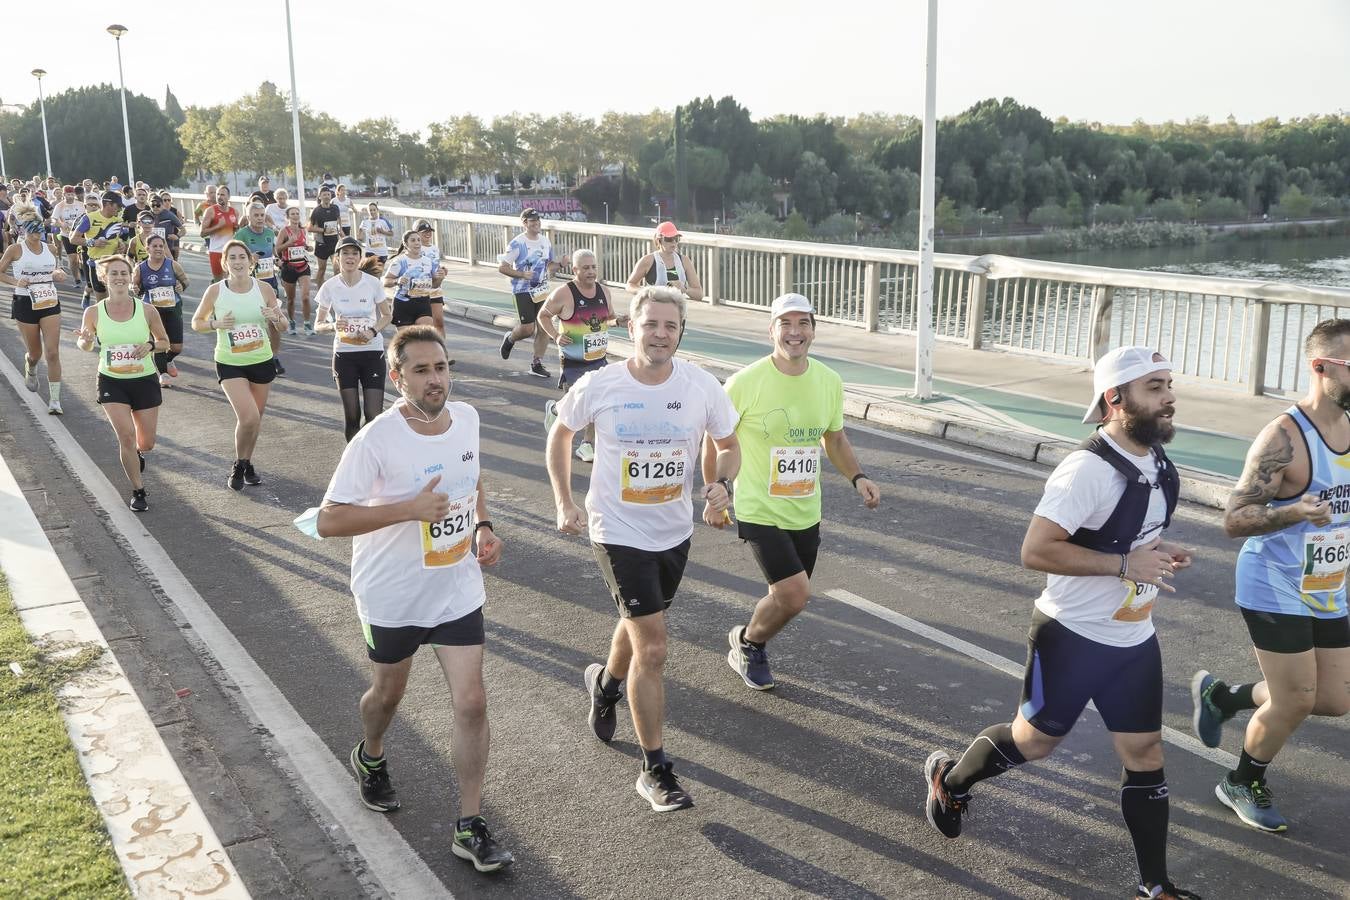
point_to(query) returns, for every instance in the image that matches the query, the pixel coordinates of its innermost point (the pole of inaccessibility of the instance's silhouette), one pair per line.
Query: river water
(1321, 260)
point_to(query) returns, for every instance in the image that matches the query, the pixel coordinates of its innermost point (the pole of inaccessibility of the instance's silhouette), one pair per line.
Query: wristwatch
(724, 483)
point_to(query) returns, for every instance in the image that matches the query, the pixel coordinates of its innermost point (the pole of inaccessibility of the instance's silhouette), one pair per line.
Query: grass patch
(52, 839)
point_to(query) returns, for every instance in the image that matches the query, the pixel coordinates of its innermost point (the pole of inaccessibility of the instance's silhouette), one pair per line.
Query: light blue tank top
(1300, 570)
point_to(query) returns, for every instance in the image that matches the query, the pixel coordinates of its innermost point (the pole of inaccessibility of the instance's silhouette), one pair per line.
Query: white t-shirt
(1082, 492)
(647, 444)
(413, 573)
(374, 240)
(276, 213)
(344, 208)
(354, 309)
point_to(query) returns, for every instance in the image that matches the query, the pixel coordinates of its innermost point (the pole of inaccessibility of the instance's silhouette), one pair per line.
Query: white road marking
(385, 856)
(1007, 666)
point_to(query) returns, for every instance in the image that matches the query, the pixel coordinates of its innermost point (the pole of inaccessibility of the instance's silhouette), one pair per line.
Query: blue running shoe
(1207, 719)
(751, 663)
(1252, 803)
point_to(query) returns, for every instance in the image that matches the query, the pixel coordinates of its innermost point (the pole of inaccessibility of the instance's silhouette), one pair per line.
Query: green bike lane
(1209, 451)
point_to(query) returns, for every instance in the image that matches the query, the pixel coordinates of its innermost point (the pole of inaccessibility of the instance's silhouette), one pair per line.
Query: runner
(529, 263)
(260, 240)
(128, 332)
(352, 308)
(344, 208)
(264, 193)
(651, 415)
(323, 222)
(1291, 504)
(200, 209)
(139, 206)
(1097, 533)
(5, 207)
(160, 281)
(101, 234)
(66, 215)
(413, 276)
(276, 212)
(238, 309)
(789, 407)
(145, 229)
(218, 227)
(666, 265)
(293, 249)
(584, 316)
(91, 205)
(375, 233)
(431, 251)
(29, 266)
(409, 493)
(168, 224)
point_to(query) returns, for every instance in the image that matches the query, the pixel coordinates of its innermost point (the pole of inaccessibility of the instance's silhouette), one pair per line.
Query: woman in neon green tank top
(129, 331)
(244, 314)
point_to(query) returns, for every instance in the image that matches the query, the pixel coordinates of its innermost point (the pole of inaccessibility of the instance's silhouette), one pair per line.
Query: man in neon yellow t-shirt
(790, 407)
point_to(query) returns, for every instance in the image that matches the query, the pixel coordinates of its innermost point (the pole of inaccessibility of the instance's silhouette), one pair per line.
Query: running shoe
(290, 329)
(507, 346)
(662, 790)
(172, 369)
(585, 452)
(537, 369)
(138, 501)
(236, 481)
(944, 812)
(1206, 718)
(601, 717)
(54, 408)
(29, 374)
(1253, 804)
(163, 379)
(250, 476)
(550, 415)
(475, 844)
(1165, 891)
(309, 330)
(281, 370)
(751, 663)
(376, 791)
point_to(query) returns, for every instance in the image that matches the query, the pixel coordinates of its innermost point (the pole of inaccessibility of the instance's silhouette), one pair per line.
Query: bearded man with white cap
(1097, 534)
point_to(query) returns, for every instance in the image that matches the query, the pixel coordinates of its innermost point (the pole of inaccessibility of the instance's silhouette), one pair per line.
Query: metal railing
(1237, 332)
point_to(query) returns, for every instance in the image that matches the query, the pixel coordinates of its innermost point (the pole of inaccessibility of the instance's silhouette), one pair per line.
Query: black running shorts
(781, 552)
(571, 371)
(527, 308)
(172, 317)
(21, 310)
(1065, 670)
(139, 393)
(407, 312)
(292, 275)
(1285, 633)
(641, 582)
(392, 645)
(257, 373)
(359, 369)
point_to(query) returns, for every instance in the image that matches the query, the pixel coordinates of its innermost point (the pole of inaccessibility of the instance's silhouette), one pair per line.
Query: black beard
(1339, 395)
(1147, 430)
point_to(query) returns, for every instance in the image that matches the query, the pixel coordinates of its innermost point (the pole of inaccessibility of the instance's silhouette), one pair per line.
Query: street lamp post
(117, 31)
(606, 203)
(42, 105)
(295, 116)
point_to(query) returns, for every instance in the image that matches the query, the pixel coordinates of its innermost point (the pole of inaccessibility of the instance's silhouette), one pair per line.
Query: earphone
(1115, 401)
(1319, 369)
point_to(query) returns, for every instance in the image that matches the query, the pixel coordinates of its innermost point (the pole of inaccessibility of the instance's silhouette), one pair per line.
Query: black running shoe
(537, 370)
(1165, 891)
(662, 790)
(250, 476)
(943, 811)
(276, 361)
(507, 346)
(138, 501)
(236, 481)
(602, 716)
(376, 791)
(474, 842)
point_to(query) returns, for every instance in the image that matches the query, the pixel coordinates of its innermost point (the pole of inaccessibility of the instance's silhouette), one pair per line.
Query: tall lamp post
(42, 105)
(117, 31)
(295, 116)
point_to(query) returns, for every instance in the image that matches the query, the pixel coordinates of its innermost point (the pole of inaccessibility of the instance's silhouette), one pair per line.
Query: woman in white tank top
(666, 266)
(30, 267)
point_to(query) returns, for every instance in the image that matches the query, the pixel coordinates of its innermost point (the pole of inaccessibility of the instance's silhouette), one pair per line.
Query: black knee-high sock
(162, 362)
(993, 752)
(1231, 699)
(1144, 804)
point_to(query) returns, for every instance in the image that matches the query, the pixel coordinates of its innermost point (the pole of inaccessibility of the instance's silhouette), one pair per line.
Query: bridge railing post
(784, 273)
(712, 280)
(975, 305)
(1100, 334)
(871, 294)
(471, 243)
(1260, 347)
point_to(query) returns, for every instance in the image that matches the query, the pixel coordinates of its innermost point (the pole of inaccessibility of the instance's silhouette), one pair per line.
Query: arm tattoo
(1247, 512)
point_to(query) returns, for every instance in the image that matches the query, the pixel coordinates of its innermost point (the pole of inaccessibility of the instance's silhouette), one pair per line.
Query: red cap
(67, 187)
(667, 229)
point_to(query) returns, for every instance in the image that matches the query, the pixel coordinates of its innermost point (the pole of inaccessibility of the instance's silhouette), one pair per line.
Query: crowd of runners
(659, 433)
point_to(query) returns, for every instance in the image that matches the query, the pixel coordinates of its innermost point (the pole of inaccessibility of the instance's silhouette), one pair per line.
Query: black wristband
(856, 477)
(1124, 561)
(725, 483)
(486, 523)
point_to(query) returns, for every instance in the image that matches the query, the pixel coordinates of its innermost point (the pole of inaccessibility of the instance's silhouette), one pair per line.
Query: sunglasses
(1339, 362)
(670, 240)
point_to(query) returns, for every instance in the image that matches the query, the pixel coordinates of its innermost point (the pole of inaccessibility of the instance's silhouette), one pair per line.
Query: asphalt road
(812, 789)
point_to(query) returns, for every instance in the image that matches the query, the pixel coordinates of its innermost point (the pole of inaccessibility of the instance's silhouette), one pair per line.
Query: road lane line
(383, 856)
(1176, 738)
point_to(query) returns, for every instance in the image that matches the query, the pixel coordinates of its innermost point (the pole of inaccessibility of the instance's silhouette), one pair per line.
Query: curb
(161, 836)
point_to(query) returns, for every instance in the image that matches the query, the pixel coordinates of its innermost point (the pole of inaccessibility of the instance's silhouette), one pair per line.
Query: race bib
(157, 232)
(330, 228)
(419, 287)
(42, 294)
(594, 345)
(793, 471)
(163, 297)
(539, 292)
(122, 360)
(376, 241)
(1325, 556)
(354, 330)
(447, 542)
(651, 476)
(1138, 603)
(295, 254)
(267, 266)
(246, 338)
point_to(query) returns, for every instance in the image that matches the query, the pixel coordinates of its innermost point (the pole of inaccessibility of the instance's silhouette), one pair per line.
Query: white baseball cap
(1119, 367)
(788, 303)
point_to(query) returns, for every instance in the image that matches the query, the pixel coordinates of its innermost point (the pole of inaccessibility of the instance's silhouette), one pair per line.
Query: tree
(960, 184)
(255, 131)
(863, 187)
(504, 144)
(753, 188)
(172, 109)
(813, 188)
(200, 138)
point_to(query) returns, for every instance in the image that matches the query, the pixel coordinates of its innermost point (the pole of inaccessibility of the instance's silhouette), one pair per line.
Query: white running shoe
(585, 452)
(163, 380)
(54, 408)
(29, 374)
(550, 415)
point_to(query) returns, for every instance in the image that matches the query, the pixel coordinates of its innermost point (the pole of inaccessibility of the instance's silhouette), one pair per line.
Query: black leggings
(351, 407)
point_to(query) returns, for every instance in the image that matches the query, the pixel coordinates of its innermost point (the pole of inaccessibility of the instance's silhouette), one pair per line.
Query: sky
(1090, 60)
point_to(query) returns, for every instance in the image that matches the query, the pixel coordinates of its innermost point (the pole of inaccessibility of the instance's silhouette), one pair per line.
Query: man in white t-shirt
(276, 212)
(650, 416)
(529, 263)
(409, 494)
(1097, 534)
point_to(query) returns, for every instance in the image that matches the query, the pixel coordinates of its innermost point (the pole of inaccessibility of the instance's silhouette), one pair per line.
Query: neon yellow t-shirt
(782, 421)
